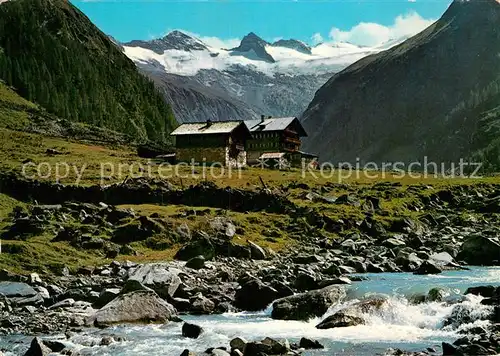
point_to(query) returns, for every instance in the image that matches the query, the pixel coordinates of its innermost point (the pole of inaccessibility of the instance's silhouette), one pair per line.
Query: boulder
(305, 281)
(38, 348)
(106, 296)
(223, 227)
(197, 262)
(201, 305)
(340, 319)
(238, 344)
(393, 242)
(187, 353)
(276, 347)
(20, 294)
(307, 305)
(462, 314)
(306, 259)
(309, 344)
(256, 349)
(480, 250)
(54, 346)
(16, 290)
(256, 251)
(441, 259)
(435, 295)
(135, 307)
(133, 285)
(191, 331)
(428, 267)
(485, 291)
(158, 277)
(408, 261)
(352, 315)
(202, 245)
(254, 295)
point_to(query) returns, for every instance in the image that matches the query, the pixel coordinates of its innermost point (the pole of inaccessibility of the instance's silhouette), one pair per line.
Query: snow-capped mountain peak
(175, 40)
(254, 47)
(297, 45)
(255, 78)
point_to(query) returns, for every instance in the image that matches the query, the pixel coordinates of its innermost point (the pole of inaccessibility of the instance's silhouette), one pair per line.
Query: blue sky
(231, 19)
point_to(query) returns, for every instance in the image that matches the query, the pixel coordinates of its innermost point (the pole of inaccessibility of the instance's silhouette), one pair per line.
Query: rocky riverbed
(173, 296)
(215, 275)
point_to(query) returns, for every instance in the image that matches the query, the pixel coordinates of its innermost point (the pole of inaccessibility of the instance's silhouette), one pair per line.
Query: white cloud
(219, 42)
(317, 38)
(373, 34)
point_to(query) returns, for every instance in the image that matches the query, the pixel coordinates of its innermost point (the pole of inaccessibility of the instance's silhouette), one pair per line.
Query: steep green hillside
(14, 110)
(54, 56)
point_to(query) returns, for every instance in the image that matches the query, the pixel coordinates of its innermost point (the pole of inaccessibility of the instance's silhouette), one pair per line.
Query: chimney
(262, 118)
(209, 122)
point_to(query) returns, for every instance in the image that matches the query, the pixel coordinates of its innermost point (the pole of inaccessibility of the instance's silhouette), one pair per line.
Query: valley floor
(114, 238)
(333, 206)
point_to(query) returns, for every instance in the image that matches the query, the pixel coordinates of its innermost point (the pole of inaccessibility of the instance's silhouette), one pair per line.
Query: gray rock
(219, 352)
(135, 307)
(309, 344)
(441, 259)
(238, 343)
(436, 295)
(256, 251)
(254, 295)
(305, 281)
(480, 250)
(428, 267)
(16, 290)
(20, 294)
(106, 341)
(184, 231)
(485, 291)
(44, 293)
(158, 277)
(307, 305)
(352, 315)
(223, 226)
(54, 346)
(201, 305)
(191, 331)
(256, 349)
(393, 243)
(35, 278)
(133, 285)
(63, 304)
(197, 262)
(276, 347)
(408, 261)
(106, 296)
(37, 348)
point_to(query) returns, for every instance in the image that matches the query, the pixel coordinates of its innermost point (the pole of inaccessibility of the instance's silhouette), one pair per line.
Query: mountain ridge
(244, 81)
(373, 108)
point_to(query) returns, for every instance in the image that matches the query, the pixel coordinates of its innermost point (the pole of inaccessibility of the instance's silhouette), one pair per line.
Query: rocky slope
(192, 101)
(436, 94)
(255, 78)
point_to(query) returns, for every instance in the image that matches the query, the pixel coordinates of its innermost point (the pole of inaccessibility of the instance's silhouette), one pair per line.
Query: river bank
(415, 318)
